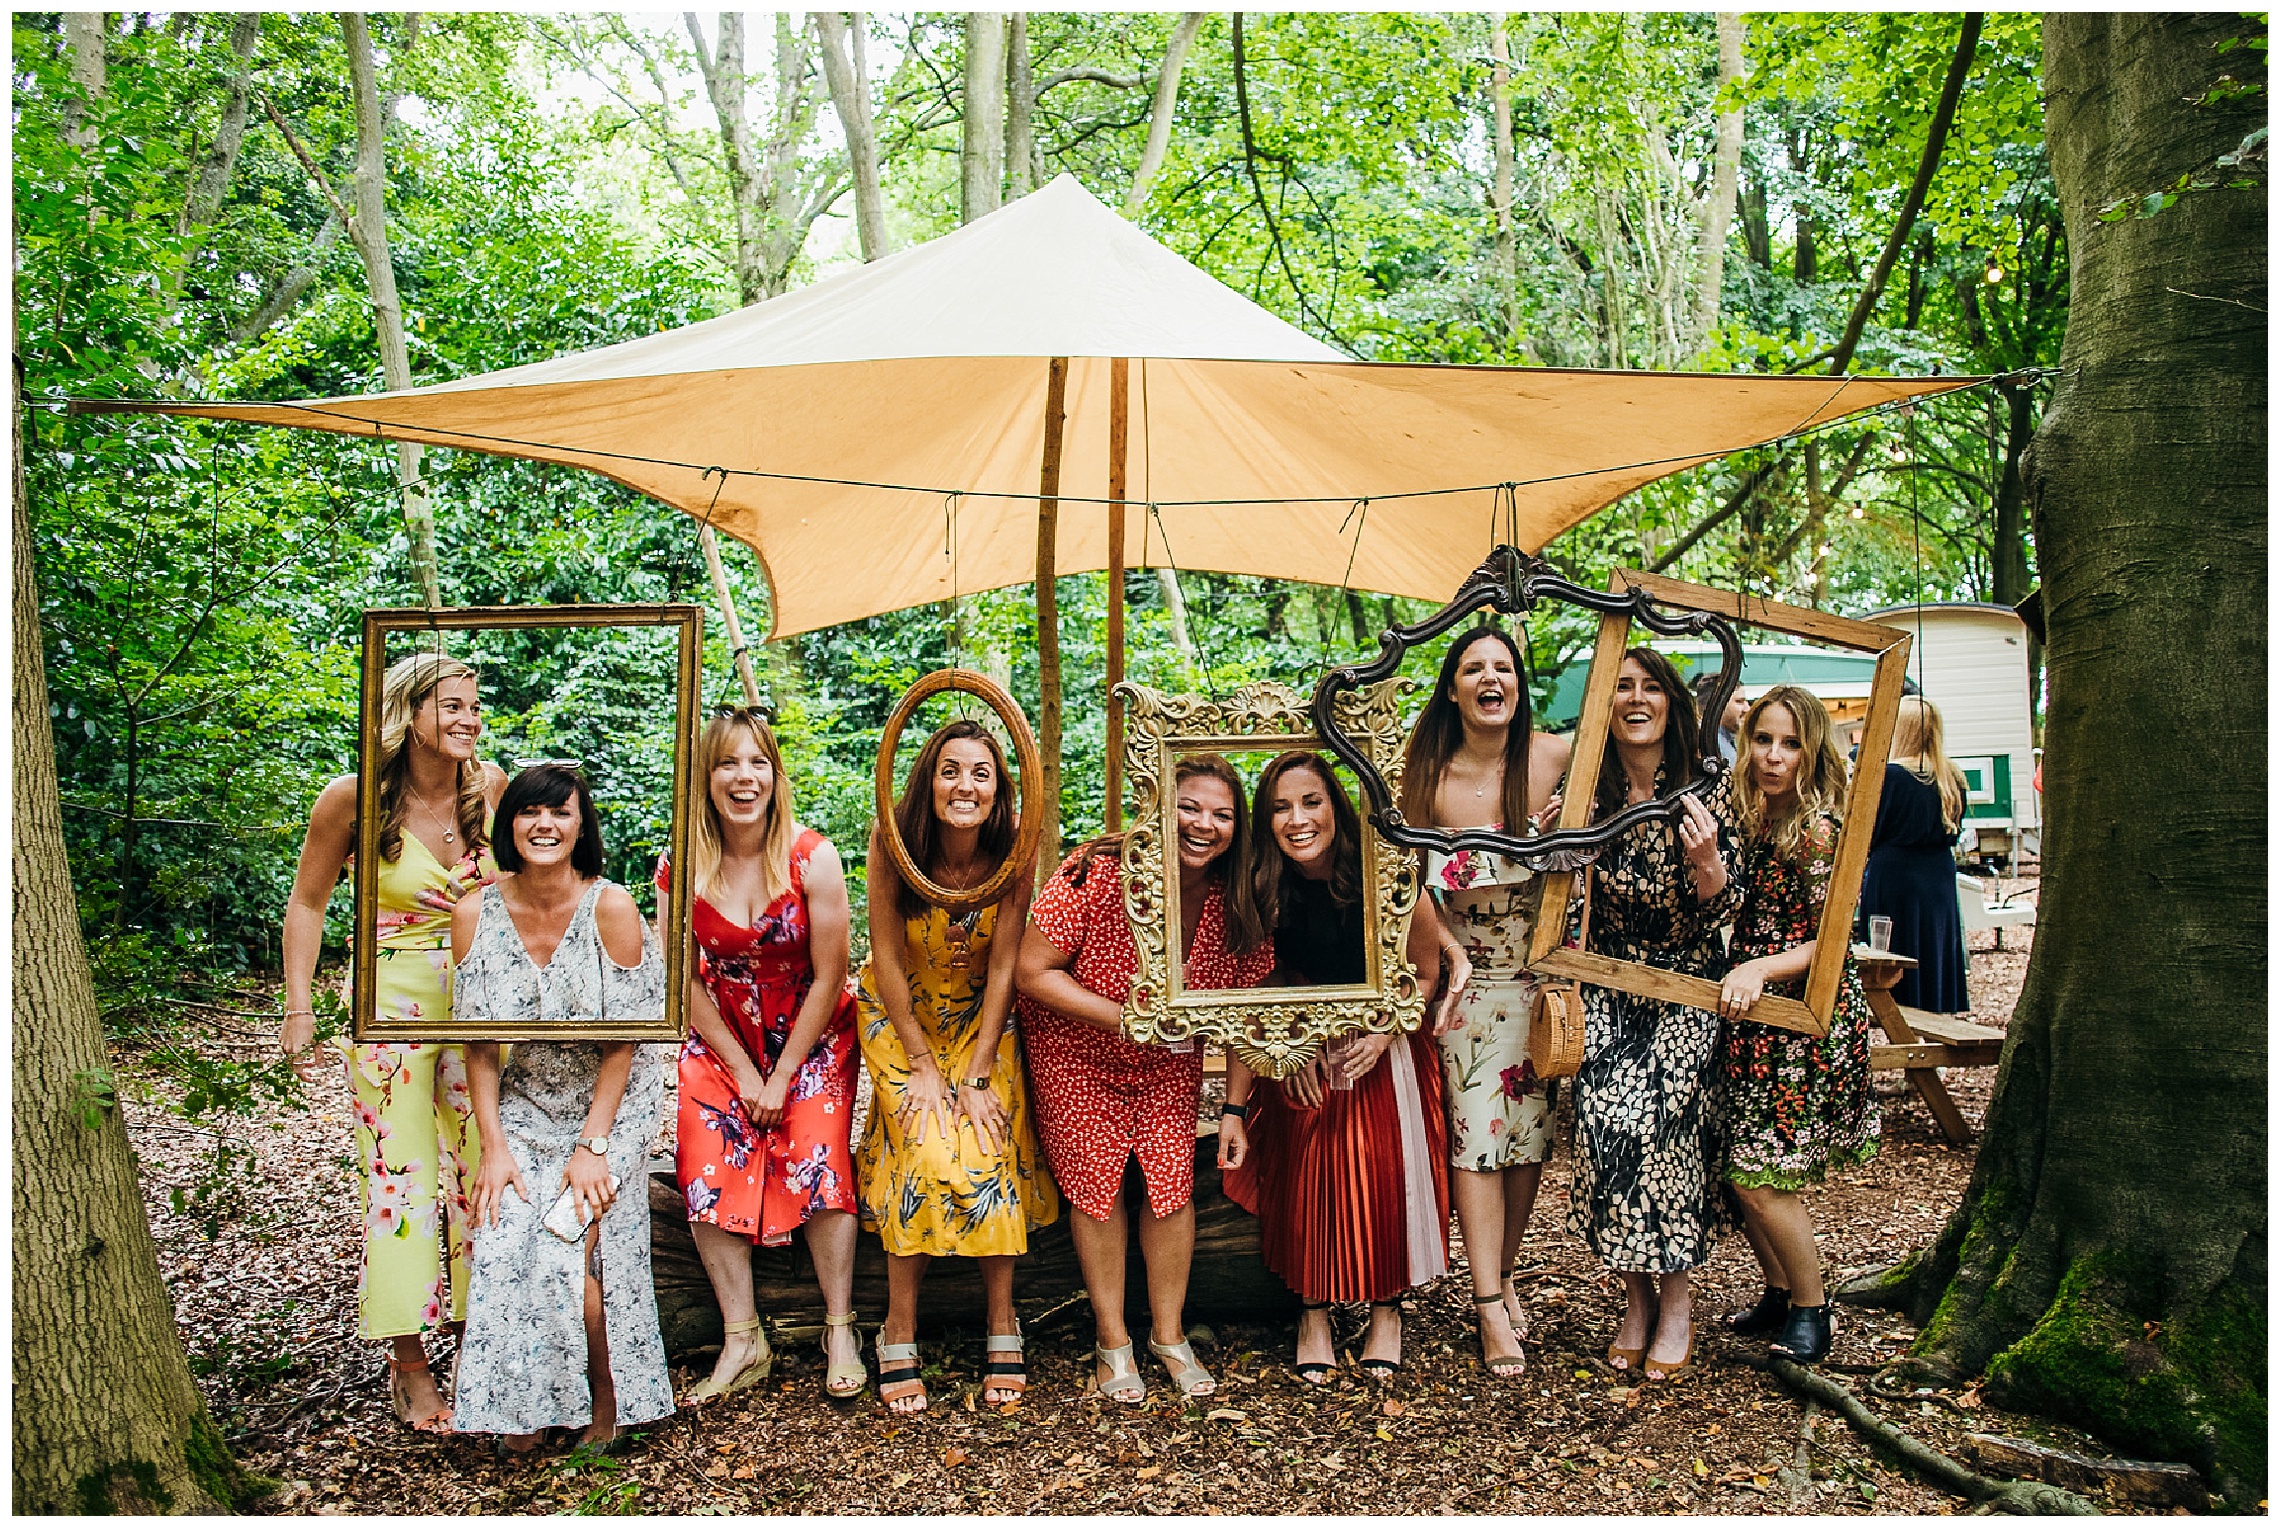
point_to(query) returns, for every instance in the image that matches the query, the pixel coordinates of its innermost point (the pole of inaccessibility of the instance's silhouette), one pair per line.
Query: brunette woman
(1798, 1106)
(1474, 762)
(768, 1071)
(1647, 1197)
(1345, 1161)
(949, 1163)
(560, 1333)
(1911, 862)
(416, 1146)
(1104, 1101)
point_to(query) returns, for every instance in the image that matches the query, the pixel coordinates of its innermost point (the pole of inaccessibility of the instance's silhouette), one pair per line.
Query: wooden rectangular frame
(1275, 1029)
(1834, 937)
(688, 620)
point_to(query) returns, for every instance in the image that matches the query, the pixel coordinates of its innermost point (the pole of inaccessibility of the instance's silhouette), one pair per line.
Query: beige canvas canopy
(858, 416)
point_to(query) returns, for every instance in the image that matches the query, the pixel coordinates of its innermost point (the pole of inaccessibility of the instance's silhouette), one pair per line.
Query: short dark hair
(548, 785)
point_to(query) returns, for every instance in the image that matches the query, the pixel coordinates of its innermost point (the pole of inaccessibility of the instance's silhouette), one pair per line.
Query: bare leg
(997, 1292)
(1384, 1342)
(412, 1373)
(1634, 1330)
(1769, 1262)
(1167, 1246)
(1674, 1328)
(599, 1380)
(1480, 1201)
(1520, 1185)
(728, 1263)
(831, 1245)
(904, 1276)
(1787, 1226)
(1316, 1343)
(1100, 1257)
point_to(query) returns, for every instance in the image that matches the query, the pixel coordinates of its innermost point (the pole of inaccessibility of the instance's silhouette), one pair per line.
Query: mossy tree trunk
(2108, 1263)
(107, 1418)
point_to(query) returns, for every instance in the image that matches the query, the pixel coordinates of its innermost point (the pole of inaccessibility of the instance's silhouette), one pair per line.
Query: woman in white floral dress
(559, 1334)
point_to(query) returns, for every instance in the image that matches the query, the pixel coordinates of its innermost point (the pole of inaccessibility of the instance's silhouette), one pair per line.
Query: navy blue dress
(1911, 880)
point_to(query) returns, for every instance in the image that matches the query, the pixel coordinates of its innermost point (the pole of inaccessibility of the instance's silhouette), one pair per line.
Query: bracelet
(1241, 1111)
(292, 1013)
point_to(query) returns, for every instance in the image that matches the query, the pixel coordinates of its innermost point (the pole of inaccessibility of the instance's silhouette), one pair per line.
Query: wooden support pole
(1119, 406)
(729, 623)
(1049, 613)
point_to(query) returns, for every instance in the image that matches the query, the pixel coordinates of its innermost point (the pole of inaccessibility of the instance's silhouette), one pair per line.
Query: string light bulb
(1994, 273)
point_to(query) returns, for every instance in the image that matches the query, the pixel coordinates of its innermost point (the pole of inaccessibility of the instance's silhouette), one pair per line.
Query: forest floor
(266, 1305)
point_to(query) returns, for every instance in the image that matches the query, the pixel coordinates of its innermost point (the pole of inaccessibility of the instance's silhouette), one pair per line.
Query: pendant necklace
(449, 836)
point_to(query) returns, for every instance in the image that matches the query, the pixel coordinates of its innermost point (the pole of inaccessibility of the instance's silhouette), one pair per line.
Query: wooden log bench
(1920, 1043)
(1228, 1281)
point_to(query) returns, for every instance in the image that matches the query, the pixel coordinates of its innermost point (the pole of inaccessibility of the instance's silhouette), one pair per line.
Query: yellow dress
(947, 1197)
(416, 1143)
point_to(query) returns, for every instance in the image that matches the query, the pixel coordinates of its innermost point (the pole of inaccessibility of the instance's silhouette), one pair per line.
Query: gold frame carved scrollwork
(1275, 1030)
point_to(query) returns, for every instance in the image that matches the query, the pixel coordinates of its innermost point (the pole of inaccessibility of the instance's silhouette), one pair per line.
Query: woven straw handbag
(1555, 1029)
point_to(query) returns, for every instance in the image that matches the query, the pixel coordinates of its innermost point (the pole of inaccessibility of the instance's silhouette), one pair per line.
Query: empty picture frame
(1275, 1030)
(1547, 953)
(684, 624)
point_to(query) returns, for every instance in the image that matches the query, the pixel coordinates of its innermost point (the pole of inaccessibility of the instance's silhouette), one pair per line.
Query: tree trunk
(107, 1418)
(212, 181)
(1725, 171)
(368, 231)
(85, 40)
(2108, 1263)
(981, 158)
(2011, 579)
(850, 85)
(1507, 257)
(1160, 111)
(1020, 104)
(723, 73)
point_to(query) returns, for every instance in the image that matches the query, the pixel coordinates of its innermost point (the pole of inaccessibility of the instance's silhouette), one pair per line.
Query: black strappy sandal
(1381, 1368)
(1319, 1373)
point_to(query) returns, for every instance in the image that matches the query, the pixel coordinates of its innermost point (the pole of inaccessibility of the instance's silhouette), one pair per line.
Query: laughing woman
(1344, 1162)
(1799, 1105)
(949, 1162)
(1104, 1101)
(415, 1136)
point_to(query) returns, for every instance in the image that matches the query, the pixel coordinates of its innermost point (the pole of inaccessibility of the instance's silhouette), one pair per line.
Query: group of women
(1002, 1080)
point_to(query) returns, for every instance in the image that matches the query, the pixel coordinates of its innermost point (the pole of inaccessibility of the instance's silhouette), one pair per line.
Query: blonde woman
(1796, 1106)
(1911, 862)
(417, 1152)
(949, 1158)
(768, 1071)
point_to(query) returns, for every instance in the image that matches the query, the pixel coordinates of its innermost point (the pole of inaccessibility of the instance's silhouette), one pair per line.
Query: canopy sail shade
(849, 413)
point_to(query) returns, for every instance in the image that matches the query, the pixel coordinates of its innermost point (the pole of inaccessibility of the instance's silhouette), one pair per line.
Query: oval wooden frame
(981, 686)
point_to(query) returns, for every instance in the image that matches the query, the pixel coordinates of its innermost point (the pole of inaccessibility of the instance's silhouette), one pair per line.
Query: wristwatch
(978, 1084)
(599, 1145)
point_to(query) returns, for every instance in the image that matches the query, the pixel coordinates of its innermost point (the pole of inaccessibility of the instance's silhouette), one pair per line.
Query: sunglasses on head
(559, 763)
(765, 714)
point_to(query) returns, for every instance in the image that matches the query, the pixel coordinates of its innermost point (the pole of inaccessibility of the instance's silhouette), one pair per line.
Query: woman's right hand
(926, 1096)
(749, 1086)
(492, 1181)
(1457, 967)
(1234, 1142)
(297, 1038)
(1304, 1086)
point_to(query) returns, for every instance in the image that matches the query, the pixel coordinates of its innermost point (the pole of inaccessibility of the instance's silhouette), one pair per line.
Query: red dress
(1101, 1099)
(764, 1184)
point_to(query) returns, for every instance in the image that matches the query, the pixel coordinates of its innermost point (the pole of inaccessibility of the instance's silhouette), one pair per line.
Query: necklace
(449, 836)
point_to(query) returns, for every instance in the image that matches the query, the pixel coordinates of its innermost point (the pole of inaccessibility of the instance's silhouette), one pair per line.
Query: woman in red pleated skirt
(1345, 1161)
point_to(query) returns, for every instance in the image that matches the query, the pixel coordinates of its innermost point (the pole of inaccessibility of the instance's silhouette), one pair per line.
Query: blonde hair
(403, 690)
(1820, 775)
(1919, 745)
(706, 846)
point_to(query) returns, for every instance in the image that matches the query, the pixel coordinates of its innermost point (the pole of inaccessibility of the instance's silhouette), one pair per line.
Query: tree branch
(332, 197)
(1752, 481)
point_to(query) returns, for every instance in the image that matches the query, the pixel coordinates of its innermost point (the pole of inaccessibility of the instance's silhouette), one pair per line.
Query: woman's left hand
(1361, 1054)
(767, 1111)
(1543, 817)
(1698, 833)
(1234, 1142)
(1740, 992)
(588, 1179)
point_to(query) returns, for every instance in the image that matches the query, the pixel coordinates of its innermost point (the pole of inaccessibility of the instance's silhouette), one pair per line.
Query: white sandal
(1124, 1382)
(1192, 1378)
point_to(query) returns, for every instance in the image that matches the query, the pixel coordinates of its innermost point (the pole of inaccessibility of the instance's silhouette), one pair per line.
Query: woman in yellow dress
(948, 1164)
(415, 1136)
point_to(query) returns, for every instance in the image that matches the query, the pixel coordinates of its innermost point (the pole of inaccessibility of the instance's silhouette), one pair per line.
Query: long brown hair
(921, 830)
(406, 687)
(1680, 763)
(706, 843)
(1820, 774)
(1245, 931)
(1440, 732)
(1919, 745)
(1271, 869)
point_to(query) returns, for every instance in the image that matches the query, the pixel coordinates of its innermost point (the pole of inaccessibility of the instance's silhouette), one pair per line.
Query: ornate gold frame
(1834, 937)
(1274, 1029)
(688, 620)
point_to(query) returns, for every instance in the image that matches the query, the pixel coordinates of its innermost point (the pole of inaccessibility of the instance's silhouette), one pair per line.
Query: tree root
(2025, 1498)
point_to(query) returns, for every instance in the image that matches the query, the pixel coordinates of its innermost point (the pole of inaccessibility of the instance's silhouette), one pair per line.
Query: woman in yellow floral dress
(948, 1165)
(415, 1134)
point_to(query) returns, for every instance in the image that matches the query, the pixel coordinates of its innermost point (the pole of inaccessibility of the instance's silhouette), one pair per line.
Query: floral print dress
(1647, 1195)
(950, 1196)
(764, 1184)
(1499, 1113)
(416, 1147)
(522, 1363)
(1798, 1106)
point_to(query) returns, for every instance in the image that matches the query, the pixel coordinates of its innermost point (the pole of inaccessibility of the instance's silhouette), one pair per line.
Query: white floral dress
(522, 1364)
(1499, 1113)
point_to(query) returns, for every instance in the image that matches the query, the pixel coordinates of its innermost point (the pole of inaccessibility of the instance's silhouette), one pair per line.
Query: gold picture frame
(1275, 1030)
(1812, 1014)
(688, 623)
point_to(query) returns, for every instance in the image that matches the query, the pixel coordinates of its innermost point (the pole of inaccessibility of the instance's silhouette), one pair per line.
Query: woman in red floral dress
(1796, 1105)
(1103, 1101)
(767, 1076)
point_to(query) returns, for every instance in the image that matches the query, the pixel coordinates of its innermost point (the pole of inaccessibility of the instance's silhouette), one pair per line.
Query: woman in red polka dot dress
(1103, 1101)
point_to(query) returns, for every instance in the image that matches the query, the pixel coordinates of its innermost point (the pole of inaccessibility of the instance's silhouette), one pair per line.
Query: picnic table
(1920, 1043)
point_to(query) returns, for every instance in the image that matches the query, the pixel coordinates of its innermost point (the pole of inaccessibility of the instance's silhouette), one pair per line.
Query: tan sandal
(1510, 1367)
(1124, 1382)
(898, 1375)
(1179, 1361)
(400, 1397)
(844, 1382)
(763, 1364)
(1008, 1377)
